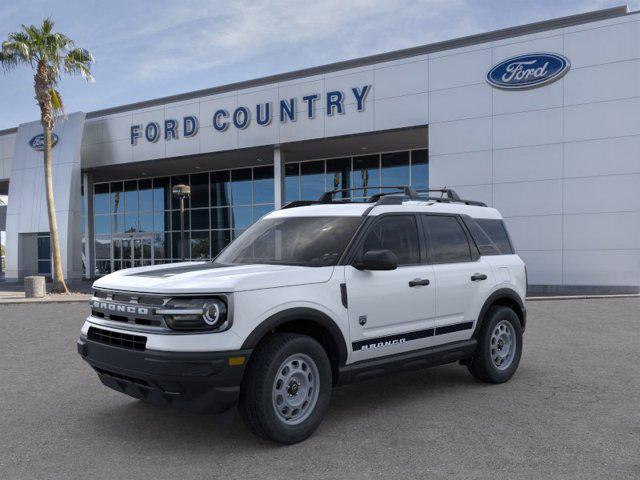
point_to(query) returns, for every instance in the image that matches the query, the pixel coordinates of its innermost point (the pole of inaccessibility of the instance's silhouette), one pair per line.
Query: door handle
(478, 276)
(418, 282)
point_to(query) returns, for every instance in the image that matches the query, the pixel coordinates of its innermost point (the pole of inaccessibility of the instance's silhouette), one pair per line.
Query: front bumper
(194, 381)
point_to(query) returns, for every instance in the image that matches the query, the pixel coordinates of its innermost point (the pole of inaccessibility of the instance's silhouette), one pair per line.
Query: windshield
(305, 241)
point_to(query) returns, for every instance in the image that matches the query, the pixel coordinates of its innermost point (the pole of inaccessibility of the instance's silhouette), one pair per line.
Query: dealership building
(541, 121)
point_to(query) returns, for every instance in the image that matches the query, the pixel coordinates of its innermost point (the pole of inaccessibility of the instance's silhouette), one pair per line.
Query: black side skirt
(416, 359)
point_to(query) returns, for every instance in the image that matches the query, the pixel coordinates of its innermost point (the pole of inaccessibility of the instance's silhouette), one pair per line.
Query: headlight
(196, 314)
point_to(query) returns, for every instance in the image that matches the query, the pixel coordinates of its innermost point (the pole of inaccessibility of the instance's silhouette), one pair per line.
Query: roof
(529, 28)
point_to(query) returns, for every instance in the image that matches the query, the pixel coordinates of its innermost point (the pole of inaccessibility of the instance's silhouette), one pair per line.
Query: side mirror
(378, 260)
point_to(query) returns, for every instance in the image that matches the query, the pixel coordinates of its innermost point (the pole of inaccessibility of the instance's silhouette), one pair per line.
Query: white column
(278, 177)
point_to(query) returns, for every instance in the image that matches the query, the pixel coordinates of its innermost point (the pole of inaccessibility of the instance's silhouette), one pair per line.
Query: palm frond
(78, 62)
(56, 101)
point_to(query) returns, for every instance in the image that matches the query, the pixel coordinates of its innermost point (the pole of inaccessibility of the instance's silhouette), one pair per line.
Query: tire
(287, 372)
(500, 331)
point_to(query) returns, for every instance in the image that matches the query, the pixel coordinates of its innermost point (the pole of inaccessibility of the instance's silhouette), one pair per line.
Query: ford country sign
(528, 71)
(37, 142)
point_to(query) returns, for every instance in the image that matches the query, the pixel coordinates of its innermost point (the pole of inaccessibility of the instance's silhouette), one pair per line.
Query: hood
(209, 277)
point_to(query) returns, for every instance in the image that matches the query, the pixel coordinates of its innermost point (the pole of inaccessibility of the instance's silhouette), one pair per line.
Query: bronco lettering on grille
(119, 308)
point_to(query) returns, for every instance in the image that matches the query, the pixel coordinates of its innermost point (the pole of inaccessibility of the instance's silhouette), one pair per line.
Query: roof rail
(327, 197)
(399, 193)
(451, 196)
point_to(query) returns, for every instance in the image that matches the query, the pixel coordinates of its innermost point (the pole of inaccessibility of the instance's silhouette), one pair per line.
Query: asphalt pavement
(571, 411)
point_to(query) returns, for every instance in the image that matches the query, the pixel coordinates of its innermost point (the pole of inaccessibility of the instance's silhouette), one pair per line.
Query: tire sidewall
(273, 425)
(496, 315)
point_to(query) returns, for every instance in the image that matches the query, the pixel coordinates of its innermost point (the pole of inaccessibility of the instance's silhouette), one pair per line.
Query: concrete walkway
(13, 293)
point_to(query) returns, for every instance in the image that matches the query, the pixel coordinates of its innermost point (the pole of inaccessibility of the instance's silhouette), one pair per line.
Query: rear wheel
(286, 389)
(499, 346)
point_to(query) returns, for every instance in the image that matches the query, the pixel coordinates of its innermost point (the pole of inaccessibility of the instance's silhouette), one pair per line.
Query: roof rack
(451, 196)
(327, 197)
(400, 194)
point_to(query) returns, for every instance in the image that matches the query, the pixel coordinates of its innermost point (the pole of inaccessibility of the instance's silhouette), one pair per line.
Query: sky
(149, 49)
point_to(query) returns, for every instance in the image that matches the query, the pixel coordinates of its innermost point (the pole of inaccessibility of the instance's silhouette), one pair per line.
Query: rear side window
(497, 232)
(398, 234)
(447, 241)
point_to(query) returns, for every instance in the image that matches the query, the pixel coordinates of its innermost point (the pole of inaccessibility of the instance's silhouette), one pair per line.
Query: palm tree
(48, 54)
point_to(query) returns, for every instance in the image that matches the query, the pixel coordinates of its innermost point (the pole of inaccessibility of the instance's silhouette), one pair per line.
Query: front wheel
(499, 346)
(286, 389)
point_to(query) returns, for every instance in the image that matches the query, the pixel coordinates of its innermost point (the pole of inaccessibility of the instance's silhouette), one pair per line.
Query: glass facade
(137, 222)
(307, 180)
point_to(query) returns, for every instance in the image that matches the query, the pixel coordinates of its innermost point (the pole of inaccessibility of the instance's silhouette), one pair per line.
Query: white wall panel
(460, 136)
(601, 120)
(402, 79)
(601, 267)
(210, 105)
(117, 127)
(536, 233)
(116, 152)
(612, 193)
(543, 267)
(302, 129)
(212, 140)
(480, 193)
(528, 198)
(398, 112)
(471, 168)
(255, 135)
(459, 69)
(459, 103)
(599, 83)
(549, 41)
(512, 101)
(345, 83)
(528, 128)
(352, 121)
(602, 231)
(602, 157)
(603, 45)
(92, 132)
(540, 162)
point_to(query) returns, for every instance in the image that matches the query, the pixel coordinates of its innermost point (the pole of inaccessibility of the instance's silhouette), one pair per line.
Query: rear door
(463, 279)
(391, 311)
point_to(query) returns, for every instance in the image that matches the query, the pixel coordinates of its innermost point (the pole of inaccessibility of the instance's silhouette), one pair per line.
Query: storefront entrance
(132, 251)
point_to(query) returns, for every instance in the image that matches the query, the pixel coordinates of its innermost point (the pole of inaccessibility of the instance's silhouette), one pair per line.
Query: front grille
(129, 308)
(117, 339)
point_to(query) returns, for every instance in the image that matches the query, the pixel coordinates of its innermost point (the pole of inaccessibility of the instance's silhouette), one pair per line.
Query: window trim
(354, 248)
(473, 249)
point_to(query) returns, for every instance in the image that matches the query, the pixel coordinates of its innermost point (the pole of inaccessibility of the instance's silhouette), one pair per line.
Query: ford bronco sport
(317, 294)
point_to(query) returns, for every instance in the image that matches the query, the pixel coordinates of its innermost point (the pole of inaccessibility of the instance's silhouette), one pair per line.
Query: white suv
(312, 296)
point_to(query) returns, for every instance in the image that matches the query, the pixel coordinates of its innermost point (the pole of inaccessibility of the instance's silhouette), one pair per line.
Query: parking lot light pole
(182, 192)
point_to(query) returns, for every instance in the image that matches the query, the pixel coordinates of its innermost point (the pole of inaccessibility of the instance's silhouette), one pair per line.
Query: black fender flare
(502, 293)
(299, 314)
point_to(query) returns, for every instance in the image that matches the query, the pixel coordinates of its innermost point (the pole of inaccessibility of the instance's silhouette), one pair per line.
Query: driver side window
(397, 233)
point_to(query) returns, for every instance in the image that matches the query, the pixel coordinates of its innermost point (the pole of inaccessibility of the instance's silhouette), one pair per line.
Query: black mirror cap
(378, 260)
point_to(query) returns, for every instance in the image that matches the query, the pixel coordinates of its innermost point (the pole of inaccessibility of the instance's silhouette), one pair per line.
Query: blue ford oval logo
(37, 142)
(528, 71)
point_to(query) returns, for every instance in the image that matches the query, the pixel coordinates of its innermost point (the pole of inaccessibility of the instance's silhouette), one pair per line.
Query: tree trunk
(59, 285)
(42, 85)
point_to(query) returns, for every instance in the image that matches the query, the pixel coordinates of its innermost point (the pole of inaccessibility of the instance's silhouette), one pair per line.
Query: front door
(391, 311)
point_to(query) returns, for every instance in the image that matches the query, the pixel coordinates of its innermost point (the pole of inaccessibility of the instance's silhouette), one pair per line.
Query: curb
(30, 301)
